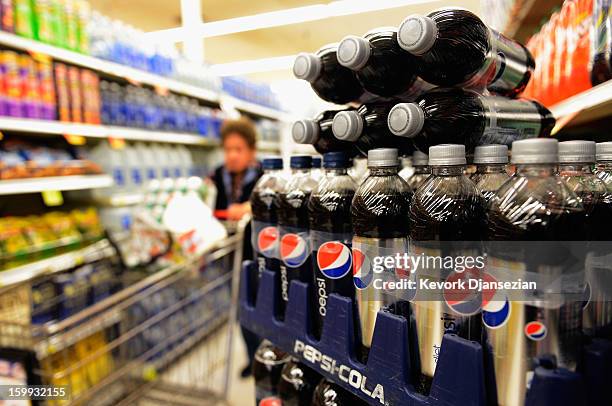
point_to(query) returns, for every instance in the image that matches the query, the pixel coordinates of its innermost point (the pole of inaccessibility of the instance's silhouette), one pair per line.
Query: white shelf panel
(597, 97)
(62, 262)
(100, 131)
(63, 183)
(130, 74)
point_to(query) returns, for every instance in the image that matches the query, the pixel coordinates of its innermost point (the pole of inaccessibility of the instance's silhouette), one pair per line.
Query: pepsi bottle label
(265, 239)
(333, 265)
(509, 120)
(295, 253)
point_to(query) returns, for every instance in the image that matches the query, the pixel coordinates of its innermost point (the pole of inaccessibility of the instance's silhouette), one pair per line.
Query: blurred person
(235, 180)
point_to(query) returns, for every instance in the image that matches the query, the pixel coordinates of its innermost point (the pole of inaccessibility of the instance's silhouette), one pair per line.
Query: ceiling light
(280, 18)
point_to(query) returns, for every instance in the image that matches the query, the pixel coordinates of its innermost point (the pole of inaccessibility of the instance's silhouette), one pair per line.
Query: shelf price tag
(52, 198)
(75, 139)
(116, 143)
(162, 90)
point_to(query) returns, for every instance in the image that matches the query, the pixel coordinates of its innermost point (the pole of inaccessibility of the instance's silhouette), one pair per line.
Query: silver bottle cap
(417, 34)
(382, 157)
(305, 131)
(577, 151)
(535, 151)
(307, 66)
(447, 154)
(406, 119)
(347, 126)
(353, 52)
(604, 151)
(491, 154)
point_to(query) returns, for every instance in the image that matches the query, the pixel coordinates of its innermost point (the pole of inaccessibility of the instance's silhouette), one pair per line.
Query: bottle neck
(540, 170)
(335, 171)
(299, 171)
(422, 170)
(577, 168)
(604, 166)
(271, 171)
(451, 170)
(491, 168)
(383, 171)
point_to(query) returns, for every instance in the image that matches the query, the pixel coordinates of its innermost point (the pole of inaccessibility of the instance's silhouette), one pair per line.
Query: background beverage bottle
(328, 393)
(603, 319)
(490, 161)
(331, 81)
(316, 172)
(456, 48)
(331, 234)
(367, 129)
(530, 219)
(379, 215)
(381, 66)
(267, 367)
(420, 161)
(265, 206)
(297, 384)
(456, 116)
(447, 218)
(601, 64)
(318, 133)
(576, 158)
(293, 223)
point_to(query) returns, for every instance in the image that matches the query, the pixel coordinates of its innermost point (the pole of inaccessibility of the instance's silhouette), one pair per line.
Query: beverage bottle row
(132, 106)
(572, 51)
(135, 165)
(447, 47)
(533, 224)
(55, 22)
(26, 87)
(438, 116)
(282, 380)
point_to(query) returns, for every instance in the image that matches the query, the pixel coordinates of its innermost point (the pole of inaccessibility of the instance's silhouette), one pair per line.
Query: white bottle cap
(604, 151)
(417, 34)
(420, 158)
(382, 157)
(353, 52)
(347, 125)
(307, 66)
(305, 131)
(406, 119)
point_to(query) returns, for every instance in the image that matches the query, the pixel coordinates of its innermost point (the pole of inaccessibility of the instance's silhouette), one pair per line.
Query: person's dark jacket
(223, 181)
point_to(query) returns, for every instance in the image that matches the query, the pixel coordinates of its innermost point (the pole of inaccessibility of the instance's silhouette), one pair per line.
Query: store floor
(241, 391)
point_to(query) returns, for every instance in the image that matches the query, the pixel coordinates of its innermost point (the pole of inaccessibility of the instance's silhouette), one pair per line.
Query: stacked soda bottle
(572, 51)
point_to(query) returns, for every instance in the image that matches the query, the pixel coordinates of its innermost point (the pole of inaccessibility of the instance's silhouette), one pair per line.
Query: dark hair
(242, 127)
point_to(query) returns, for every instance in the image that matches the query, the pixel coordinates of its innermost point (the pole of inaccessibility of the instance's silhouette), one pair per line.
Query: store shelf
(255, 109)
(132, 75)
(61, 183)
(93, 252)
(529, 17)
(100, 131)
(590, 105)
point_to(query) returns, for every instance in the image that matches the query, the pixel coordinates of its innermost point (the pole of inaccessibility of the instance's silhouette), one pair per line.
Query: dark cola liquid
(376, 132)
(265, 205)
(267, 367)
(330, 220)
(336, 84)
(463, 47)
(327, 142)
(462, 43)
(455, 116)
(390, 71)
(297, 384)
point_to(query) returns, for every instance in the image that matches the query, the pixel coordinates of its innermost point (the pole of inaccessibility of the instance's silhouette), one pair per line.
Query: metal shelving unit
(134, 75)
(51, 183)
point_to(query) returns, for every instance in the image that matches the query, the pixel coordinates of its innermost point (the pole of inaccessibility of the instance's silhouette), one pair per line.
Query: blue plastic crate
(460, 378)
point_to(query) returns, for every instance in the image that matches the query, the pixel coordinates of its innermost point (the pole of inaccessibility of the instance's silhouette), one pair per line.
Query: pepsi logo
(535, 330)
(362, 272)
(334, 259)
(463, 301)
(496, 308)
(294, 250)
(267, 241)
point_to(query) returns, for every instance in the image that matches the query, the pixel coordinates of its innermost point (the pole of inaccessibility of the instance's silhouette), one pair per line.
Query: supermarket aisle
(241, 392)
